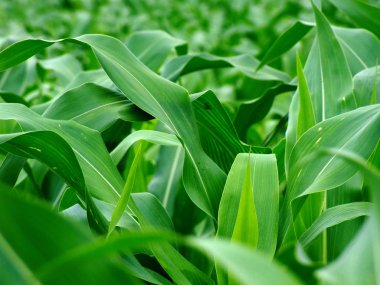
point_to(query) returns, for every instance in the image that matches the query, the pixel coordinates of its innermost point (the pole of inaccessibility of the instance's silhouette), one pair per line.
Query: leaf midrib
(113, 59)
(357, 134)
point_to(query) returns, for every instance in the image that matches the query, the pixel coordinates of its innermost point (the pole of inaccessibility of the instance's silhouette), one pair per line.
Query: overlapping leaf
(246, 64)
(164, 100)
(363, 14)
(102, 178)
(354, 131)
(153, 47)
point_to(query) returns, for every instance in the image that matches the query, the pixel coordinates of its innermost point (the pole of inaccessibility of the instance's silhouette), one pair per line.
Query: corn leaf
(360, 47)
(306, 118)
(155, 137)
(365, 86)
(246, 64)
(122, 203)
(153, 47)
(218, 135)
(363, 14)
(286, 41)
(332, 64)
(246, 266)
(94, 106)
(99, 172)
(354, 131)
(36, 247)
(154, 95)
(262, 181)
(166, 181)
(366, 244)
(334, 216)
(65, 67)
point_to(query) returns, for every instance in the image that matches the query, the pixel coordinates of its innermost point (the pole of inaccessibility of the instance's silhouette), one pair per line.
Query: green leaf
(338, 237)
(13, 271)
(286, 41)
(246, 64)
(10, 169)
(361, 48)
(235, 257)
(218, 135)
(364, 15)
(253, 111)
(156, 96)
(94, 106)
(333, 64)
(21, 51)
(371, 174)
(151, 214)
(42, 145)
(12, 98)
(374, 88)
(97, 76)
(329, 98)
(246, 266)
(246, 229)
(18, 79)
(333, 216)
(166, 180)
(65, 67)
(262, 181)
(101, 176)
(153, 47)
(365, 247)
(126, 193)
(354, 131)
(306, 118)
(37, 247)
(349, 270)
(155, 137)
(365, 83)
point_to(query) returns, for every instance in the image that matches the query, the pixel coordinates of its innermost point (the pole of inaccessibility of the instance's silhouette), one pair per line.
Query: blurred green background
(221, 27)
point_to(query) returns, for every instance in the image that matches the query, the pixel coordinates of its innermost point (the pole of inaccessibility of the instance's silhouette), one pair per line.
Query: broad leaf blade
(153, 47)
(333, 216)
(333, 65)
(121, 205)
(94, 106)
(246, 64)
(306, 118)
(363, 14)
(38, 247)
(264, 186)
(246, 266)
(286, 41)
(354, 131)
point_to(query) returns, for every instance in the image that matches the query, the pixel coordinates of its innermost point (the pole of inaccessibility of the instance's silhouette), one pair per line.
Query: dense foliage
(192, 142)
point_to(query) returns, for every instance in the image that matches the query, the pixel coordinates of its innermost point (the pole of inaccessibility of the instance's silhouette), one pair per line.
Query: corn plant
(140, 162)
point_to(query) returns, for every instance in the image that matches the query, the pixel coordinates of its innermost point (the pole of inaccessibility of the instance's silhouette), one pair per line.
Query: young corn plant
(118, 164)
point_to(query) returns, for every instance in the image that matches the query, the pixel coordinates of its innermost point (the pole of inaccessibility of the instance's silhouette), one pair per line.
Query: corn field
(189, 142)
